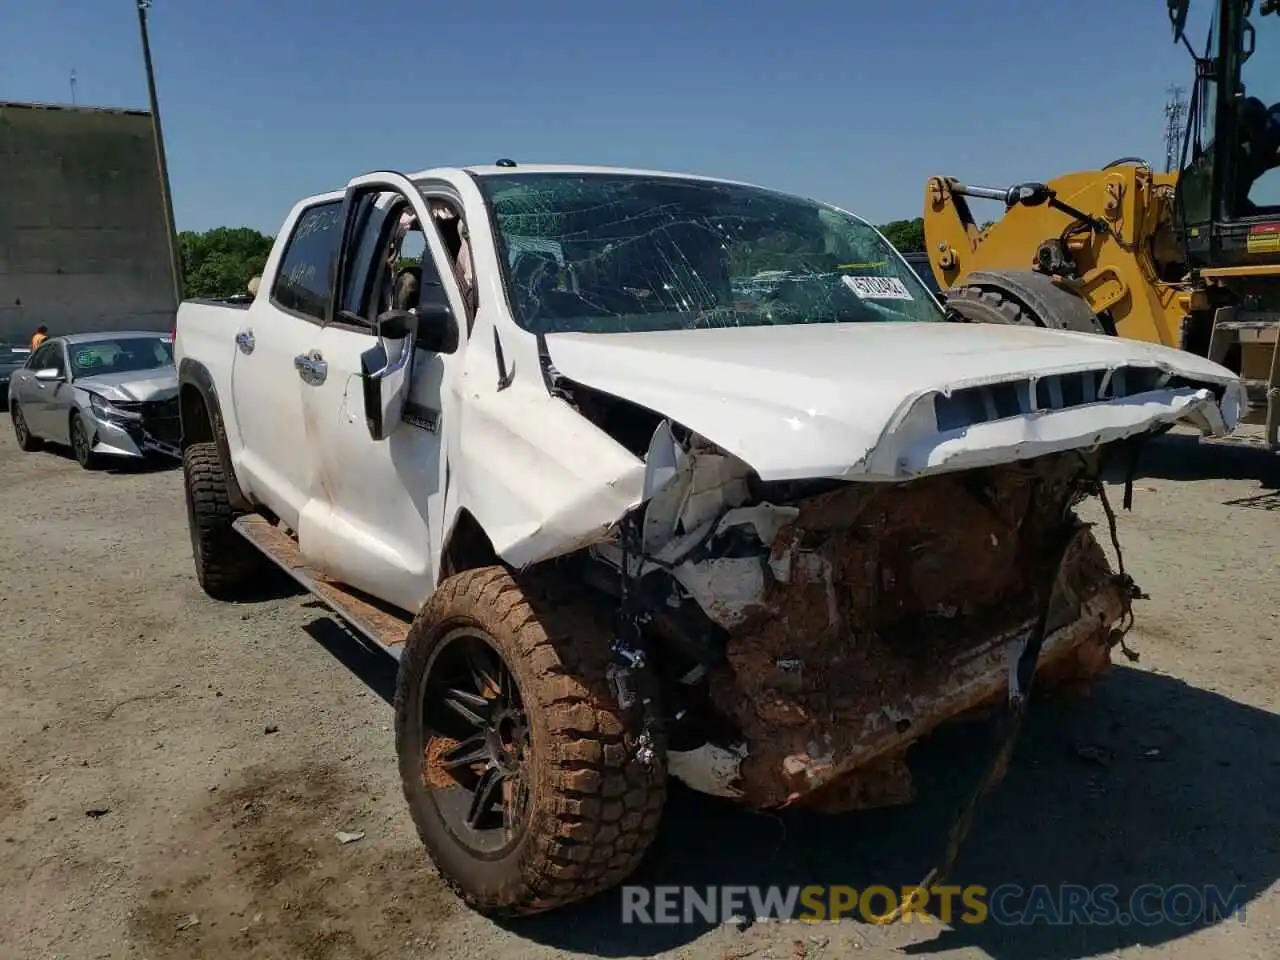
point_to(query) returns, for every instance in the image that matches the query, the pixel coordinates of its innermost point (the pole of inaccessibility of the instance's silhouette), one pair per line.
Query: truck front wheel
(526, 782)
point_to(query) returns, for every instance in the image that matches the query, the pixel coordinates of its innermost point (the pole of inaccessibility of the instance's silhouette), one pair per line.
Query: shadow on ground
(147, 465)
(1180, 456)
(116, 466)
(371, 664)
(1152, 782)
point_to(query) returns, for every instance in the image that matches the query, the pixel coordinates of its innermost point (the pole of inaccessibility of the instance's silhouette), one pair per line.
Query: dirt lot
(173, 771)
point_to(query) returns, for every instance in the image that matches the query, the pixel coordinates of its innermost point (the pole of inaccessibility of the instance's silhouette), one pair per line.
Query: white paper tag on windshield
(877, 288)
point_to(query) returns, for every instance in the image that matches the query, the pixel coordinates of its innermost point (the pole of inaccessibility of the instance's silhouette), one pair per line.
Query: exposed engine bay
(806, 633)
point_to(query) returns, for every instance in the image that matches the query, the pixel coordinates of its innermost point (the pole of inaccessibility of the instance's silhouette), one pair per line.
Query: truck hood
(158, 384)
(894, 400)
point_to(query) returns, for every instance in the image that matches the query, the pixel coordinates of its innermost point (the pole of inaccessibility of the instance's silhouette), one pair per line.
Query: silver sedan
(102, 394)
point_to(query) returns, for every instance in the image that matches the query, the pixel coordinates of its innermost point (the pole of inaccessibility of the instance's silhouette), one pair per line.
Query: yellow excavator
(1190, 259)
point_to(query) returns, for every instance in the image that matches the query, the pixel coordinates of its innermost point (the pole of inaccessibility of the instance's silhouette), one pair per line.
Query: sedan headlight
(108, 411)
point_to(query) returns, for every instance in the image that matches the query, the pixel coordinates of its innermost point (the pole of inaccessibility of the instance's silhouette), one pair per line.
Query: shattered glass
(607, 253)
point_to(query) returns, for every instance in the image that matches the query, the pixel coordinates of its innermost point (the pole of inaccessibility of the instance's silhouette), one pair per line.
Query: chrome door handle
(311, 367)
(244, 340)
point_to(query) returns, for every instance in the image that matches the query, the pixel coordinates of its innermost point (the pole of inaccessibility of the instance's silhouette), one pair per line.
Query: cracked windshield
(608, 254)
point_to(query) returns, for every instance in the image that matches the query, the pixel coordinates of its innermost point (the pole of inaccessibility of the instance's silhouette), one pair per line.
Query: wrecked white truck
(641, 475)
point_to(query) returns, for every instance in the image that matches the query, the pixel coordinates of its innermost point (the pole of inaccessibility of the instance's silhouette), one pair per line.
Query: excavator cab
(1229, 190)
(1227, 206)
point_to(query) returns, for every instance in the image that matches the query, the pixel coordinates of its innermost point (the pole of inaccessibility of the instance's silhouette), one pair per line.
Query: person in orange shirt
(42, 334)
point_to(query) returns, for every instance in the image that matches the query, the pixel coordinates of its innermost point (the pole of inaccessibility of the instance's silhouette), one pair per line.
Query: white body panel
(266, 404)
(367, 509)
(541, 480)
(271, 452)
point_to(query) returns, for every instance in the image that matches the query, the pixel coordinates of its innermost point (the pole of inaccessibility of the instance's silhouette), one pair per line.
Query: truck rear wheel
(520, 771)
(228, 567)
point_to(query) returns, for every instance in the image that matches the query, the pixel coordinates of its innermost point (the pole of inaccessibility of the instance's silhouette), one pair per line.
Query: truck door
(265, 378)
(374, 508)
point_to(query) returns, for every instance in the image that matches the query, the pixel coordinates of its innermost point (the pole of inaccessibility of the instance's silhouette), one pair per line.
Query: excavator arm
(1103, 236)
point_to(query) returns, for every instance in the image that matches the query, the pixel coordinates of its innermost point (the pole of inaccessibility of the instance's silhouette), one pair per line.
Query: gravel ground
(173, 771)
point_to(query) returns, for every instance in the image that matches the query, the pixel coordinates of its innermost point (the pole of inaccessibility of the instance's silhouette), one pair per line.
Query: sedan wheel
(20, 429)
(81, 445)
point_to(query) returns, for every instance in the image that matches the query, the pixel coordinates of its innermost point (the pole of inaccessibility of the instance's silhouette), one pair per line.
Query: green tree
(221, 262)
(906, 235)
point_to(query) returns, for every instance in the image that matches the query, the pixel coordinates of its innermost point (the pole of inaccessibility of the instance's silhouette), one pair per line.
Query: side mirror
(50, 375)
(1178, 17)
(386, 369)
(437, 327)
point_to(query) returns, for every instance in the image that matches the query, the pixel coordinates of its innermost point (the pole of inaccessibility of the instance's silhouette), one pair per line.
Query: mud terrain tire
(228, 567)
(593, 808)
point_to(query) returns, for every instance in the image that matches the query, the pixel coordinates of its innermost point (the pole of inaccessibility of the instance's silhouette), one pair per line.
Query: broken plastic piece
(709, 768)
(726, 588)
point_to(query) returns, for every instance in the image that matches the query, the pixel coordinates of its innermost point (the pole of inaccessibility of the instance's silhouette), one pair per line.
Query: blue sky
(856, 103)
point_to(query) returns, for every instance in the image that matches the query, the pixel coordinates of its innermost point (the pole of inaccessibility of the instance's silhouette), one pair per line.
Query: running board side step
(378, 623)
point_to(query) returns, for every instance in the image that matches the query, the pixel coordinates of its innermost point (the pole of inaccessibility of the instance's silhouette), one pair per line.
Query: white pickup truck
(641, 474)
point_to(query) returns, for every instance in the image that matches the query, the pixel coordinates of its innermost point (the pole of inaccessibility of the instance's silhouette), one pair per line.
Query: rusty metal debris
(910, 601)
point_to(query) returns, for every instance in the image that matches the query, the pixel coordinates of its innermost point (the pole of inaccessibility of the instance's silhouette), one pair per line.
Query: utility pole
(174, 259)
(1174, 110)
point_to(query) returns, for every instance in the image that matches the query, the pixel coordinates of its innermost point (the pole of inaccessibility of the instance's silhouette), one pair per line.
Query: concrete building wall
(83, 235)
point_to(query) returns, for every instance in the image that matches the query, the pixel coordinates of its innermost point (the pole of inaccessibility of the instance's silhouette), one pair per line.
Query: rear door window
(302, 281)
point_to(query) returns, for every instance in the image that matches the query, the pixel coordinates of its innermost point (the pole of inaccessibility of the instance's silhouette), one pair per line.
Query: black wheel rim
(19, 425)
(476, 745)
(80, 441)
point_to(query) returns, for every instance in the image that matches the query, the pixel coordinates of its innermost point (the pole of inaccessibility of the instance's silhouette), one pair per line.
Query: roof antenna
(504, 162)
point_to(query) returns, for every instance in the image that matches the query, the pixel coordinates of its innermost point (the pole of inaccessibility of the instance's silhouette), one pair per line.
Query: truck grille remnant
(858, 618)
